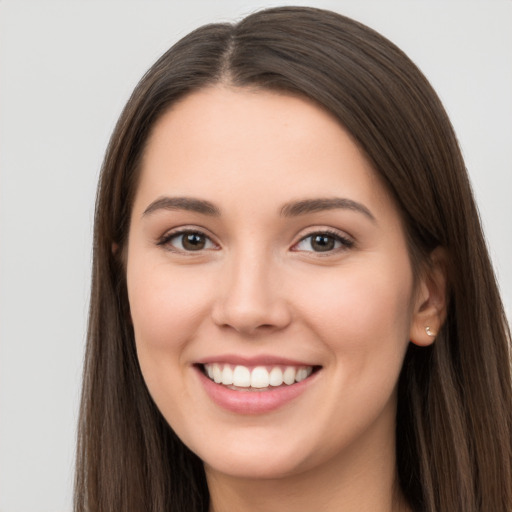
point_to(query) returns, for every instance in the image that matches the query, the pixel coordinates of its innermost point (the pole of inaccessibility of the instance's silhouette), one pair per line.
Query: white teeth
(242, 377)
(217, 373)
(259, 377)
(276, 376)
(227, 375)
(289, 375)
(302, 374)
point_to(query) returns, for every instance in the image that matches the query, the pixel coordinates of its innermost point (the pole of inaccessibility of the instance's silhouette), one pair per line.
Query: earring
(429, 331)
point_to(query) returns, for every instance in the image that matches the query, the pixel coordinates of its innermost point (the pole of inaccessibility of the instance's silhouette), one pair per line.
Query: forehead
(254, 143)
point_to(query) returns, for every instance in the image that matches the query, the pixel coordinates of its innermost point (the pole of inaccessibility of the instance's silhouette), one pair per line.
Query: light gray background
(66, 69)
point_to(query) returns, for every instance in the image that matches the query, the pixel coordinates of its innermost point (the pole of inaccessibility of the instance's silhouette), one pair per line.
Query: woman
(292, 303)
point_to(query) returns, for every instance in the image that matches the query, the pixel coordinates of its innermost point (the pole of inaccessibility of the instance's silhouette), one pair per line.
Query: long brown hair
(454, 417)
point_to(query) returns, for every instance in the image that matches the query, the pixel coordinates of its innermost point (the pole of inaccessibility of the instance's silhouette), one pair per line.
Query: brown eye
(323, 242)
(193, 241)
(187, 241)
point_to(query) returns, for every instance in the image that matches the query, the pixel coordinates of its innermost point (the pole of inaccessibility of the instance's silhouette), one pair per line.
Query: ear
(430, 304)
(114, 248)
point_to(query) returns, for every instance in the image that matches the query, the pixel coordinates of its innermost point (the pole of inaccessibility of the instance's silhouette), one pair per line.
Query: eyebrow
(291, 209)
(182, 203)
(296, 208)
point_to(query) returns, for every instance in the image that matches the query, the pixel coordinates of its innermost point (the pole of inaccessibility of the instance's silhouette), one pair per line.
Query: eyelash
(345, 243)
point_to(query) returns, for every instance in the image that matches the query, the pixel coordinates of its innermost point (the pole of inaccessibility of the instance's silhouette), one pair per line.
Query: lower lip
(253, 402)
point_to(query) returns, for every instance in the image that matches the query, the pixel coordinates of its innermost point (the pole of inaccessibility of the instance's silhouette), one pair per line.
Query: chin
(259, 455)
(267, 467)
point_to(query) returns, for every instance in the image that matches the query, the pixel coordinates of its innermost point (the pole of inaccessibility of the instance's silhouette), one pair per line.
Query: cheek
(362, 310)
(362, 317)
(165, 306)
(167, 309)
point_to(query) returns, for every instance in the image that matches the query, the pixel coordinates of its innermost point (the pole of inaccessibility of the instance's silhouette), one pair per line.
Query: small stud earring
(429, 331)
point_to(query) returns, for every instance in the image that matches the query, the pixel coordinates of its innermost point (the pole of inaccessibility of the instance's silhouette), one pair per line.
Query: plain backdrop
(66, 70)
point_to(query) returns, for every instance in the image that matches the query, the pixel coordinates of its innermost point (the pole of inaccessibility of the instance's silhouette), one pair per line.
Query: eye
(187, 241)
(324, 241)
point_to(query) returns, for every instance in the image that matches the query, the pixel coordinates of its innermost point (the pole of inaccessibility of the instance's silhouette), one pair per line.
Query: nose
(251, 298)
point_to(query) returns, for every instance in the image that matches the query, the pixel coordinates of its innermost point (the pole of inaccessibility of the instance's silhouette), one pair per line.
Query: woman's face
(264, 251)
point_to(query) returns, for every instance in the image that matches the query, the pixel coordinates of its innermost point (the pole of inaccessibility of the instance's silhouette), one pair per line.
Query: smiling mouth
(257, 378)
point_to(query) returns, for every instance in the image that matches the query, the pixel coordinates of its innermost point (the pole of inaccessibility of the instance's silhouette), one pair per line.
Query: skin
(259, 286)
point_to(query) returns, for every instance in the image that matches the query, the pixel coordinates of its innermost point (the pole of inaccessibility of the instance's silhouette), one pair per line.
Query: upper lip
(261, 360)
